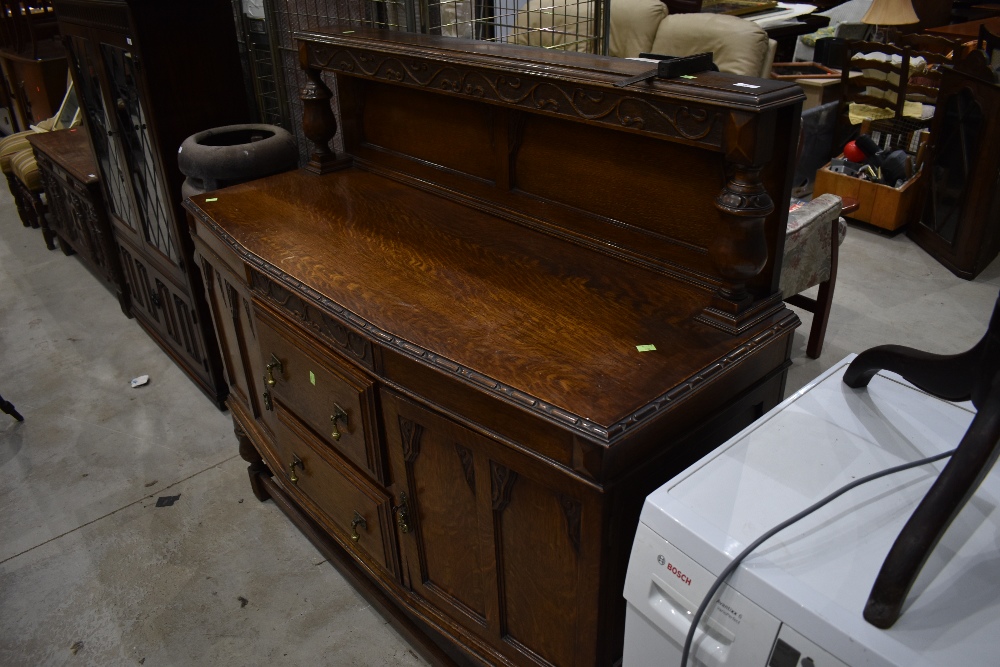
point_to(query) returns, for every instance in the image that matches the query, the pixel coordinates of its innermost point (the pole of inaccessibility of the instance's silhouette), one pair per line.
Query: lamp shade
(890, 12)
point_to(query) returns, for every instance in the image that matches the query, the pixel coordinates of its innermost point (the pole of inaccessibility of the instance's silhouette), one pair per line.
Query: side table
(76, 213)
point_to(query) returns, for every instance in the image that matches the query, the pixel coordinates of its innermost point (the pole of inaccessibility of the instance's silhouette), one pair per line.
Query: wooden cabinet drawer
(350, 507)
(334, 399)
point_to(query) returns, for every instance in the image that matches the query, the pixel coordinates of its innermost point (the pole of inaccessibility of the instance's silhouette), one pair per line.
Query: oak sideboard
(463, 349)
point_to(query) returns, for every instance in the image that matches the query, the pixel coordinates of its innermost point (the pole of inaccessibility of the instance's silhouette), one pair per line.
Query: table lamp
(890, 13)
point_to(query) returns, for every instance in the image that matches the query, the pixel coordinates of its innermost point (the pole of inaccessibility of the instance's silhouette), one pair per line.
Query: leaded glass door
(113, 172)
(152, 206)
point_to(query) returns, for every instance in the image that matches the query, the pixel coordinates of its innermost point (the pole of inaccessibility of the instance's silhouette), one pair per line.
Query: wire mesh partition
(268, 87)
(571, 25)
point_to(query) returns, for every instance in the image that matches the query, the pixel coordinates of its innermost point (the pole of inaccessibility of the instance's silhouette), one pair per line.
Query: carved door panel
(59, 205)
(442, 527)
(230, 304)
(166, 310)
(494, 540)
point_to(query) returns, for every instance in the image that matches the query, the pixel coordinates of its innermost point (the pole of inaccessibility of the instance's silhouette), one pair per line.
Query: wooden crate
(880, 205)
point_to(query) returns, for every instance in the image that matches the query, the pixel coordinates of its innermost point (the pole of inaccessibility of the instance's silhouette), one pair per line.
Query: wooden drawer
(350, 507)
(333, 398)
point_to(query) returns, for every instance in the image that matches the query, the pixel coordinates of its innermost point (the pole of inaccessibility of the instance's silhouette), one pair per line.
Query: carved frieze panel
(347, 341)
(691, 123)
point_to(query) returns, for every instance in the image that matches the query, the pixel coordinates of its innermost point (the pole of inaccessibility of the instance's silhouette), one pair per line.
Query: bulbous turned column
(319, 124)
(739, 252)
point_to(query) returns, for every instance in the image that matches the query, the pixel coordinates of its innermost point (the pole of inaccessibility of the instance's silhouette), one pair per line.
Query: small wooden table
(76, 213)
(969, 29)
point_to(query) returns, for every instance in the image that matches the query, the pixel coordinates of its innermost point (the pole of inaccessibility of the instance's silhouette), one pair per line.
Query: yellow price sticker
(646, 348)
(312, 378)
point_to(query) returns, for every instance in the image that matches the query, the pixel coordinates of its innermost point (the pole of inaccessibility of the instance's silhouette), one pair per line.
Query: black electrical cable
(729, 569)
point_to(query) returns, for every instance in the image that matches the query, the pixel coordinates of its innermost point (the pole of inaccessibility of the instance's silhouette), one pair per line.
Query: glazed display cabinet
(143, 90)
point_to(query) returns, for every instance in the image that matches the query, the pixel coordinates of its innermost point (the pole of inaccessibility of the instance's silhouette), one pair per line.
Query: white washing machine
(798, 599)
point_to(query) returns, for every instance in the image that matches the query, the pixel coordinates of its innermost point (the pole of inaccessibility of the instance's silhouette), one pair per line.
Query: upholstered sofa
(646, 26)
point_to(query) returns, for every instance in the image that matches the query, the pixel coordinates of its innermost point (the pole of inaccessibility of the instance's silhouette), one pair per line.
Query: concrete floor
(93, 573)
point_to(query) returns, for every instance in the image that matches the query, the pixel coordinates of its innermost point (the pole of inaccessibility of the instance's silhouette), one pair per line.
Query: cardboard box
(880, 205)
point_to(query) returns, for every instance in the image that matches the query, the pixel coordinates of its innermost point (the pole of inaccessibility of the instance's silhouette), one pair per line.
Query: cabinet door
(166, 310)
(230, 304)
(505, 547)
(114, 179)
(141, 160)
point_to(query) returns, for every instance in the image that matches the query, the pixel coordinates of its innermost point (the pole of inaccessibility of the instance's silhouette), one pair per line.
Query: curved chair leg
(22, 205)
(824, 298)
(950, 377)
(957, 483)
(956, 377)
(973, 374)
(8, 407)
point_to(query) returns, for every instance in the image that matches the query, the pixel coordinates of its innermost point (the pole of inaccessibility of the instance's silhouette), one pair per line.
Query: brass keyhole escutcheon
(339, 414)
(273, 365)
(402, 513)
(358, 521)
(296, 463)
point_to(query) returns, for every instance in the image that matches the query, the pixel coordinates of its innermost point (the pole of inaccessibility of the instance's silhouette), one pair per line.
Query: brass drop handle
(275, 364)
(358, 521)
(268, 403)
(296, 463)
(402, 513)
(338, 414)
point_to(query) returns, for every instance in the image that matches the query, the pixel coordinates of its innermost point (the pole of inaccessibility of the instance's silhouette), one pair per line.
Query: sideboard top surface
(455, 287)
(71, 149)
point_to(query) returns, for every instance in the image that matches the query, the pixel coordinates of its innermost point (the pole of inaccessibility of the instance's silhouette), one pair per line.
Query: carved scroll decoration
(98, 249)
(234, 302)
(502, 479)
(572, 508)
(206, 271)
(585, 102)
(468, 467)
(246, 309)
(410, 433)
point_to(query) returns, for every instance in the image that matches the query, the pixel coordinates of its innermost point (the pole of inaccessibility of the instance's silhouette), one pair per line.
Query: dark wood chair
(24, 25)
(970, 375)
(811, 254)
(882, 85)
(887, 85)
(939, 44)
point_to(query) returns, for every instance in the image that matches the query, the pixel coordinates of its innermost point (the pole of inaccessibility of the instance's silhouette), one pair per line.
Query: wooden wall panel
(448, 132)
